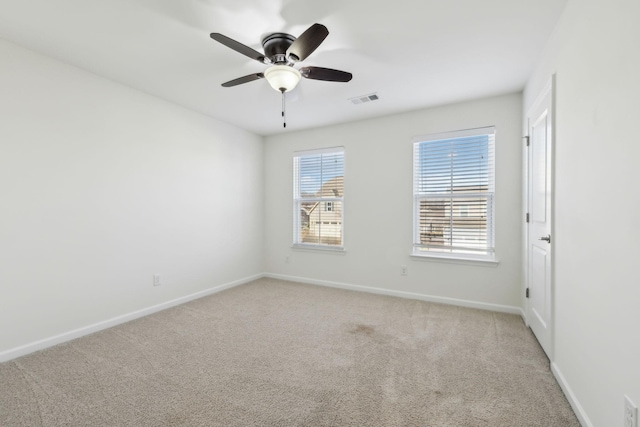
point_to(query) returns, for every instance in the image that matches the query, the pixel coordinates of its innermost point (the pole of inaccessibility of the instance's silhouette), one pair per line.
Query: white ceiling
(413, 53)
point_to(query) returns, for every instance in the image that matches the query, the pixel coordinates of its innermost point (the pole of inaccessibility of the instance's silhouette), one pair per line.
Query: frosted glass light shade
(282, 77)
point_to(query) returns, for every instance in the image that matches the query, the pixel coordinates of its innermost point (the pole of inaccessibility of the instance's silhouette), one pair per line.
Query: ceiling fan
(281, 52)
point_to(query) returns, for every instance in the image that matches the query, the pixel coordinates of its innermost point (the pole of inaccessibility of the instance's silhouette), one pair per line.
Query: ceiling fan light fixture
(282, 78)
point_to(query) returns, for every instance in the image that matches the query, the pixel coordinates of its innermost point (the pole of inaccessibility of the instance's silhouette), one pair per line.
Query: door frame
(548, 89)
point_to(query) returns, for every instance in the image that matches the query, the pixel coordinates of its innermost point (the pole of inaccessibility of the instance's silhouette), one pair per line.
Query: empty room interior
(298, 213)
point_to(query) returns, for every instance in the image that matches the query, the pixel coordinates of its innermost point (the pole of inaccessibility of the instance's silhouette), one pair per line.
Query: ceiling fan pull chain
(284, 117)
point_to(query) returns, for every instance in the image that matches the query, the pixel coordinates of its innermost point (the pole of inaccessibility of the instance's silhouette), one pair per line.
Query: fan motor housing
(275, 46)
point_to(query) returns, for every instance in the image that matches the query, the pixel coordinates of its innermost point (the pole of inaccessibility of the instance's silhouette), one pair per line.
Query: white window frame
(455, 253)
(298, 200)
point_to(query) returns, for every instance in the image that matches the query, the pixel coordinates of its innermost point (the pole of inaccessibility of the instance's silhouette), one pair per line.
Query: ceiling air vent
(364, 98)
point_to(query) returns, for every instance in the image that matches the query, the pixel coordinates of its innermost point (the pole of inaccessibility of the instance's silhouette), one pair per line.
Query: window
(453, 193)
(318, 198)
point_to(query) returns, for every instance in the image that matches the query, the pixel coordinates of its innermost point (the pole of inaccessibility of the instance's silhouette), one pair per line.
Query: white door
(539, 239)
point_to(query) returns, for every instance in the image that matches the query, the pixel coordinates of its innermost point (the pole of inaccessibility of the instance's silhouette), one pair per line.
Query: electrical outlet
(156, 280)
(286, 259)
(630, 413)
(404, 271)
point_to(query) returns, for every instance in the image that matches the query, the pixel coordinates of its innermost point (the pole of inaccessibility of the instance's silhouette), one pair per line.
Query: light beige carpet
(275, 353)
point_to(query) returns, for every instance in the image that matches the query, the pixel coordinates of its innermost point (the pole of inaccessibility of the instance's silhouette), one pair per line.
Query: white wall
(102, 186)
(378, 205)
(595, 53)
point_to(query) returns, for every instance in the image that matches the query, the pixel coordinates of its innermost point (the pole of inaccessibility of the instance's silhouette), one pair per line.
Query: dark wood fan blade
(327, 74)
(307, 42)
(238, 47)
(245, 79)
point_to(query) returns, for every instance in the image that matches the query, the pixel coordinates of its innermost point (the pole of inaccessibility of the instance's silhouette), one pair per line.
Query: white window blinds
(318, 197)
(454, 190)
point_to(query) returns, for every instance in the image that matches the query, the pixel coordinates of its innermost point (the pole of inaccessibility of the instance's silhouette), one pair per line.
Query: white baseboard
(573, 401)
(402, 294)
(86, 330)
(523, 315)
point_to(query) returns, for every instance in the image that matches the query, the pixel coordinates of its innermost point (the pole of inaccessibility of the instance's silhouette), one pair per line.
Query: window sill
(319, 248)
(456, 259)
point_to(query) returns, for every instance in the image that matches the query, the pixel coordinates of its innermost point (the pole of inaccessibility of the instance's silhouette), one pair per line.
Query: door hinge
(526, 140)
(526, 218)
(527, 293)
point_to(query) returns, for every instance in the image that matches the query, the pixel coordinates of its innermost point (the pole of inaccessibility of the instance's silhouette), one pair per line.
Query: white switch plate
(630, 413)
(156, 280)
(404, 271)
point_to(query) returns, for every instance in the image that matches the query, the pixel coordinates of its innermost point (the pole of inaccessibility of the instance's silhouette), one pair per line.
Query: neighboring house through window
(318, 198)
(453, 193)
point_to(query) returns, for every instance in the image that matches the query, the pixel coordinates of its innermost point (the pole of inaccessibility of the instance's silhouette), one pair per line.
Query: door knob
(546, 238)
